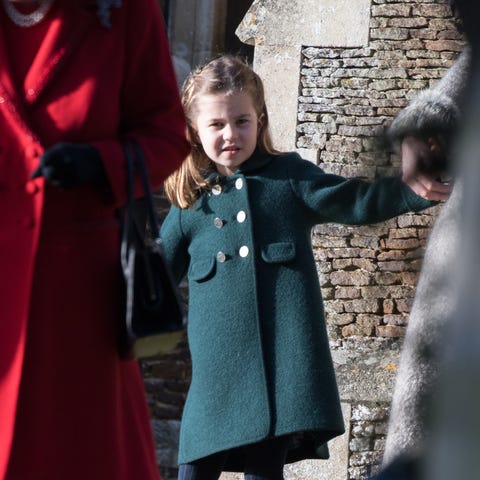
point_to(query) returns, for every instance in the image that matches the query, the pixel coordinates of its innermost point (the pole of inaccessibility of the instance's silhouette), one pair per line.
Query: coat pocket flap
(278, 252)
(202, 269)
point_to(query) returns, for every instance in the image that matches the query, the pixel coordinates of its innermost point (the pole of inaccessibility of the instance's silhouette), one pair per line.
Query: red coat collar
(70, 22)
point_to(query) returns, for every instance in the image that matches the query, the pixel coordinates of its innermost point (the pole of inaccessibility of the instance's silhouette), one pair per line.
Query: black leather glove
(70, 165)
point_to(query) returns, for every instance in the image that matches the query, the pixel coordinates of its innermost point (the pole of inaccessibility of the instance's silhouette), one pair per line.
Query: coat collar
(257, 160)
(68, 25)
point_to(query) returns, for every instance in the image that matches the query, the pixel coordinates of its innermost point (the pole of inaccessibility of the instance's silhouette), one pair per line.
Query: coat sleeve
(151, 110)
(436, 110)
(175, 244)
(332, 198)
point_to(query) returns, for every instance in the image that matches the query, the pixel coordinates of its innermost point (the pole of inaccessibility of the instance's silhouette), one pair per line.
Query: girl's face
(227, 127)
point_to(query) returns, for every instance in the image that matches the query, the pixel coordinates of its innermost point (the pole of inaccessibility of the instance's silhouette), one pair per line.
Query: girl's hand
(422, 163)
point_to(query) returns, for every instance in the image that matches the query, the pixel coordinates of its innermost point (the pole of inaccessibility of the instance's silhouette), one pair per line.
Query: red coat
(69, 407)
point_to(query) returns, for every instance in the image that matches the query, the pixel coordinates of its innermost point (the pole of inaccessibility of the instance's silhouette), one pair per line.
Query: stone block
(306, 22)
(390, 331)
(340, 319)
(451, 45)
(354, 278)
(431, 10)
(357, 330)
(391, 10)
(362, 306)
(347, 292)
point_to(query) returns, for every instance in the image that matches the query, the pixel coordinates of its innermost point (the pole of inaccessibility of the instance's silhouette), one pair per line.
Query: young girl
(263, 388)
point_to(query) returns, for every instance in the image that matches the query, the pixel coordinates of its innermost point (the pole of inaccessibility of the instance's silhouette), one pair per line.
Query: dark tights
(263, 461)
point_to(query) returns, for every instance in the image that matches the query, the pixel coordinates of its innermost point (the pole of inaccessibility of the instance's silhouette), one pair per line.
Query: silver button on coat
(221, 257)
(241, 216)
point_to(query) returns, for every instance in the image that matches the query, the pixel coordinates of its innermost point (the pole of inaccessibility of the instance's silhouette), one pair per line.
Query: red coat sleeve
(151, 110)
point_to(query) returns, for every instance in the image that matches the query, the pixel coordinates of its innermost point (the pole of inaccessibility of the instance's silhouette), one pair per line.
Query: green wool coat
(261, 364)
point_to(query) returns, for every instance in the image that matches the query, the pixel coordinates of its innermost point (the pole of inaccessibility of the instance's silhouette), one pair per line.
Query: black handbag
(152, 321)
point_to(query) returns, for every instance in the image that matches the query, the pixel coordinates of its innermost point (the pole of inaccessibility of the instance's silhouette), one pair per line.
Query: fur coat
(434, 111)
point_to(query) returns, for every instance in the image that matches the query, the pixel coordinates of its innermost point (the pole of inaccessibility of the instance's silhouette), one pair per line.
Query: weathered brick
(362, 429)
(388, 306)
(361, 306)
(367, 320)
(347, 292)
(400, 243)
(341, 319)
(357, 330)
(328, 293)
(451, 45)
(391, 266)
(348, 252)
(362, 412)
(334, 306)
(356, 131)
(354, 278)
(375, 291)
(409, 278)
(404, 305)
(402, 233)
(389, 33)
(360, 444)
(424, 34)
(415, 220)
(369, 242)
(388, 278)
(390, 331)
(395, 320)
(400, 291)
(431, 11)
(409, 23)
(391, 10)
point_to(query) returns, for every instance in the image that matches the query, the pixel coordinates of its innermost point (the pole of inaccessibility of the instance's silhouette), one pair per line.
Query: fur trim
(431, 112)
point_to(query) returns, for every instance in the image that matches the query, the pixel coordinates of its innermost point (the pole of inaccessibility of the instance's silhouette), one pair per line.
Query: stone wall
(368, 275)
(347, 96)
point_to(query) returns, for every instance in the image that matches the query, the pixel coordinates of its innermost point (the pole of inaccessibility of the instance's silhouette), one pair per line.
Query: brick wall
(347, 98)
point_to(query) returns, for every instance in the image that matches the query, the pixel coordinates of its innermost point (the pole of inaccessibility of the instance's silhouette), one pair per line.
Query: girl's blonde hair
(226, 75)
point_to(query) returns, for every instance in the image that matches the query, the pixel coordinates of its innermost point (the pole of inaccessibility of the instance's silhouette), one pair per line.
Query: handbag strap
(135, 158)
(142, 167)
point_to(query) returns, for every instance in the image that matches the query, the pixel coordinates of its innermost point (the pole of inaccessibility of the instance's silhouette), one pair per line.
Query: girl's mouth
(231, 150)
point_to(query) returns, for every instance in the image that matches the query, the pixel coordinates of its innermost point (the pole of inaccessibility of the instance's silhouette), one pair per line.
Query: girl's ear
(195, 137)
(261, 120)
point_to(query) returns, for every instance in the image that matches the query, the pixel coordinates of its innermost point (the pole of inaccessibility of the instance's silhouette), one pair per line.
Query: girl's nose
(229, 132)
